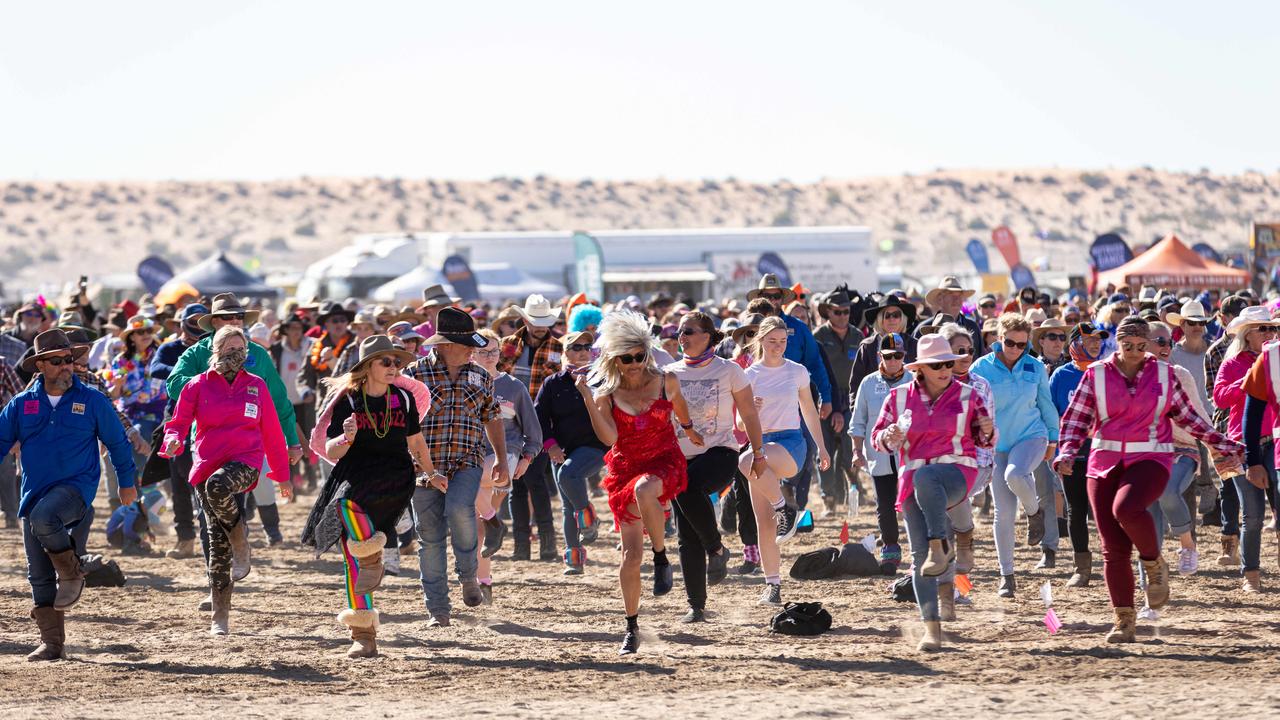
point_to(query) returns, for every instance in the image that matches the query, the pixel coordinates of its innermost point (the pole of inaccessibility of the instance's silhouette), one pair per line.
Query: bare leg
(648, 490)
(765, 494)
(629, 570)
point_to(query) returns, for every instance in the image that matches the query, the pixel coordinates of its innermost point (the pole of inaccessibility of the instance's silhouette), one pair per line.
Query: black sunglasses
(771, 296)
(59, 361)
(1268, 328)
(962, 351)
(1010, 343)
(891, 314)
(388, 362)
(689, 331)
(942, 365)
(230, 316)
(891, 354)
(1162, 342)
(636, 358)
(1055, 336)
(579, 347)
(841, 313)
(748, 334)
(987, 305)
(1194, 323)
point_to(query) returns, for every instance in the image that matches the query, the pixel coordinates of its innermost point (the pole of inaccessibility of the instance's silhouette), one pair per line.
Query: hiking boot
(220, 624)
(941, 553)
(183, 550)
(495, 531)
(471, 593)
(70, 579)
(1083, 571)
(1008, 586)
(52, 625)
(364, 632)
(1230, 556)
(1126, 627)
(718, 567)
(522, 551)
(695, 615)
(786, 518)
(547, 546)
(1252, 581)
(964, 553)
(368, 555)
(1048, 559)
(1188, 561)
(932, 639)
(1157, 582)
(772, 594)
(947, 601)
(1035, 527)
(238, 536)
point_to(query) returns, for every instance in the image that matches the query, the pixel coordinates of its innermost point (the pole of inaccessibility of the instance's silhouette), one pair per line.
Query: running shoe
(1188, 561)
(772, 594)
(786, 518)
(748, 568)
(695, 615)
(663, 579)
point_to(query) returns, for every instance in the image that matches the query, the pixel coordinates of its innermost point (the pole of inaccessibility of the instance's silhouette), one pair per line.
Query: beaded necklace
(386, 416)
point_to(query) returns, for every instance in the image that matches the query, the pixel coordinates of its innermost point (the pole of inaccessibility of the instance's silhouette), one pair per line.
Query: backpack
(852, 560)
(101, 572)
(902, 590)
(801, 619)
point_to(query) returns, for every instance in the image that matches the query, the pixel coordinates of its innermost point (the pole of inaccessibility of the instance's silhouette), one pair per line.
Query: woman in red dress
(631, 401)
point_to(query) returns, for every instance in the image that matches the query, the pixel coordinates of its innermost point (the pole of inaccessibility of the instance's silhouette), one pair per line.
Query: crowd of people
(428, 428)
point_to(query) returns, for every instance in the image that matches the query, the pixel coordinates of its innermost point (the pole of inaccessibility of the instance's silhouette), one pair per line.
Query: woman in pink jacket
(236, 426)
(936, 425)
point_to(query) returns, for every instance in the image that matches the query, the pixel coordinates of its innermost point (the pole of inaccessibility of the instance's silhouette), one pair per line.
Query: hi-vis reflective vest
(1131, 426)
(937, 435)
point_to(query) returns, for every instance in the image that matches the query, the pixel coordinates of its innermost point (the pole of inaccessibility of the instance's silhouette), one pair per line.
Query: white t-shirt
(780, 387)
(291, 363)
(709, 390)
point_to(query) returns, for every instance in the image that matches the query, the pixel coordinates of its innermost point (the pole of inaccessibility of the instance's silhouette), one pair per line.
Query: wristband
(686, 426)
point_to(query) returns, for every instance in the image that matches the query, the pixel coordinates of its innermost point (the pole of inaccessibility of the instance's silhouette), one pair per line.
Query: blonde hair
(489, 335)
(620, 331)
(351, 381)
(1239, 343)
(756, 346)
(226, 332)
(1013, 322)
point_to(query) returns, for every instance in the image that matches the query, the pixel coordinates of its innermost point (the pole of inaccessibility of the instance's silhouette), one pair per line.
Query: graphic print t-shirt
(403, 423)
(709, 392)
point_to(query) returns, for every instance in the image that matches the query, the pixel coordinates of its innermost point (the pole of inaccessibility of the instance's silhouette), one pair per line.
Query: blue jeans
(571, 480)
(1253, 503)
(1171, 507)
(45, 531)
(1011, 484)
(440, 513)
(925, 511)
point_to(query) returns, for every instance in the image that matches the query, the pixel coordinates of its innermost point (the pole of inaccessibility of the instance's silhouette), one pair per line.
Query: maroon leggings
(1120, 502)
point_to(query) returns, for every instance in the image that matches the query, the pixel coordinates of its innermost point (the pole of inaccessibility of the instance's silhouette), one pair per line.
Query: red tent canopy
(1172, 265)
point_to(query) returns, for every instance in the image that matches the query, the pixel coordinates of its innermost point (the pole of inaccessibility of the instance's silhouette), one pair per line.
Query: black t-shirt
(367, 445)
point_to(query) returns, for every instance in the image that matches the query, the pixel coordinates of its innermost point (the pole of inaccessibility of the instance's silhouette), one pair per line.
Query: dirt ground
(547, 645)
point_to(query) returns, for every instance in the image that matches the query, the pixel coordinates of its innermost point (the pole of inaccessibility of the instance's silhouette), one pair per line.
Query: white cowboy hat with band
(1192, 311)
(1250, 316)
(537, 311)
(932, 349)
(769, 283)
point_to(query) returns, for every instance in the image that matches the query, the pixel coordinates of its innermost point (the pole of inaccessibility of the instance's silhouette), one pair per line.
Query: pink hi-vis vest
(1131, 426)
(937, 435)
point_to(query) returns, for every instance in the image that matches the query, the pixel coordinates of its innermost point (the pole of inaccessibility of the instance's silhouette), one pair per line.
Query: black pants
(180, 486)
(1076, 491)
(886, 507)
(742, 505)
(835, 484)
(532, 486)
(710, 472)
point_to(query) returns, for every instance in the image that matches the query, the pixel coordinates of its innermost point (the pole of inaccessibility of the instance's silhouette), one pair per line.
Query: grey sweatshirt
(523, 431)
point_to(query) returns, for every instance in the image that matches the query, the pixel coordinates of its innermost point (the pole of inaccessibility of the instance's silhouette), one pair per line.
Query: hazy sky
(691, 89)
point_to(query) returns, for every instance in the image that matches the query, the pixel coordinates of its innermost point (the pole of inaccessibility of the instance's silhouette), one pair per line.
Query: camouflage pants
(218, 499)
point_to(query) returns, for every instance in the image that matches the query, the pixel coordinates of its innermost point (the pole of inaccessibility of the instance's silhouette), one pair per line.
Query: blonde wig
(620, 331)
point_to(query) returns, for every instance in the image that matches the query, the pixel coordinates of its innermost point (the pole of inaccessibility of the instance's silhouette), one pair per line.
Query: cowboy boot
(182, 550)
(932, 640)
(52, 624)
(220, 625)
(364, 632)
(964, 552)
(1084, 570)
(1157, 582)
(70, 579)
(368, 555)
(238, 535)
(947, 601)
(1126, 627)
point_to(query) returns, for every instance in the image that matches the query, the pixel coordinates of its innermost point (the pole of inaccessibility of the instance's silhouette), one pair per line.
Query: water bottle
(851, 503)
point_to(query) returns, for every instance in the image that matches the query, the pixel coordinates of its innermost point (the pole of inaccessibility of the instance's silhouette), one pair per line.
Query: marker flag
(844, 534)
(1052, 622)
(963, 586)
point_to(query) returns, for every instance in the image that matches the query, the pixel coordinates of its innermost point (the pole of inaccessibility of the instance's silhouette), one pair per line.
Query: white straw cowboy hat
(1192, 310)
(949, 284)
(933, 348)
(537, 311)
(1036, 317)
(769, 282)
(1250, 316)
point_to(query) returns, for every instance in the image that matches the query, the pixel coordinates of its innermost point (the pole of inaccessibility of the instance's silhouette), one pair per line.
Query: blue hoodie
(803, 349)
(1024, 408)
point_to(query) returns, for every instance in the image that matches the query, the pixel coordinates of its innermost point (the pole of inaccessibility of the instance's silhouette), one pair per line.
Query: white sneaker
(1147, 613)
(390, 561)
(1188, 561)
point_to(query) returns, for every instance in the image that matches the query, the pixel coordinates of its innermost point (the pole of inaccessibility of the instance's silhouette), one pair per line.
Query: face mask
(231, 360)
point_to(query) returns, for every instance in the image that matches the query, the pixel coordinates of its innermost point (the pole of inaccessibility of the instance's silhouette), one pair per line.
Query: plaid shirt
(10, 383)
(1078, 422)
(545, 362)
(454, 426)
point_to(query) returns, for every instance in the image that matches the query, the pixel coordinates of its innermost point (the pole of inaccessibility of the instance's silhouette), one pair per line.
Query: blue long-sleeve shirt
(803, 349)
(60, 445)
(1024, 409)
(1063, 384)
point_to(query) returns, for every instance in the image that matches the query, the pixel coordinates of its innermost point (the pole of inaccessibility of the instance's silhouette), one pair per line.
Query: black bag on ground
(855, 561)
(852, 560)
(801, 619)
(903, 590)
(816, 565)
(101, 572)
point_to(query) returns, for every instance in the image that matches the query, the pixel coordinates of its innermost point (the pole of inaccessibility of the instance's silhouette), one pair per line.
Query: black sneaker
(630, 643)
(695, 615)
(786, 519)
(495, 531)
(772, 595)
(718, 567)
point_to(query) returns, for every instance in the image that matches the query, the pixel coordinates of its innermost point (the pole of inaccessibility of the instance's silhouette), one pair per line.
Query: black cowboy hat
(891, 301)
(457, 327)
(333, 309)
(842, 296)
(49, 343)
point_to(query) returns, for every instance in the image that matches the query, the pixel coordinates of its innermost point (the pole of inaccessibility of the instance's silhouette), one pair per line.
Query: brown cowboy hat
(949, 284)
(378, 345)
(225, 304)
(49, 343)
(769, 282)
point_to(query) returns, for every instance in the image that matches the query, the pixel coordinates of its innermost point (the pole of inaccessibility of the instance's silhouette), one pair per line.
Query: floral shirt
(142, 397)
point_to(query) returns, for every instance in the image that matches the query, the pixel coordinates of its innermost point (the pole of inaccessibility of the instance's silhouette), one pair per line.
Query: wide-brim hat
(1250, 316)
(1192, 310)
(291, 319)
(435, 296)
(537, 311)
(404, 331)
(49, 343)
(1036, 315)
(136, 323)
(573, 338)
(933, 324)
(769, 282)
(949, 284)
(1050, 324)
(933, 348)
(72, 320)
(836, 298)
(364, 317)
(749, 322)
(457, 327)
(891, 301)
(377, 345)
(329, 310)
(990, 325)
(226, 304)
(1089, 329)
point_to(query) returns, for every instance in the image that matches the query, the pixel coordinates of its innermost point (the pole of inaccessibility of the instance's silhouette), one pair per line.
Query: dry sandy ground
(546, 648)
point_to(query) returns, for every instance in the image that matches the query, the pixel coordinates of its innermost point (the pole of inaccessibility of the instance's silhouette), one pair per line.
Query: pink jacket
(1228, 392)
(319, 434)
(234, 422)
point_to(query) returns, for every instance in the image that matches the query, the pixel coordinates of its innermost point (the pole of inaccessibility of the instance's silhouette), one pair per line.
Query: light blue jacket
(1024, 407)
(870, 397)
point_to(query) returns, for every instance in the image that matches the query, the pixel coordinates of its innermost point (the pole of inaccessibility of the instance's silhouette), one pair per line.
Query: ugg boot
(1126, 627)
(964, 552)
(238, 536)
(221, 623)
(1278, 549)
(368, 555)
(1230, 556)
(1084, 570)
(52, 624)
(1252, 581)
(941, 553)
(1157, 582)
(70, 579)
(364, 632)
(947, 601)
(182, 550)
(932, 640)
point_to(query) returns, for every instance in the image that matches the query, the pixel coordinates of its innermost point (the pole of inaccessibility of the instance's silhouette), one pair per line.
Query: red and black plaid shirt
(454, 426)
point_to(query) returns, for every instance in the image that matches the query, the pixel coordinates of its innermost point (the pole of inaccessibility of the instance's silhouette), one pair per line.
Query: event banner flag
(770, 262)
(588, 266)
(154, 272)
(1002, 237)
(978, 254)
(458, 273)
(1108, 252)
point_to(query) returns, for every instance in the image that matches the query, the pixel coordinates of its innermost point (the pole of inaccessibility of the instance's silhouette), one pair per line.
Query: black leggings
(1076, 490)
(710, 472)
(532, 486)
(886, 506)
(746, 513)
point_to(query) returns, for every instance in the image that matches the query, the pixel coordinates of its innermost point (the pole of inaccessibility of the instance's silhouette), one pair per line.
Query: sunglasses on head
(1012, 344)
(947, 365)
(841, 313)
(1055, 336)
(636, 358)
(579, 347)
(59, 360)
(389, 362)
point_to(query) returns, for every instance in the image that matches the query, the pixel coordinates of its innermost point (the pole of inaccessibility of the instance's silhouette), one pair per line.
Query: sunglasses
(891, 354)
(749, 334)
(942, 365)
(231, 316)
(1012, 344)
(1194, 323)
(891, 315)
(1268, 328)
(1133, 347)
(689, 331)
(487, 353)
(1162, 342)
(1055, 336)
(59, 361)
(987, 305)
(390, 362)
(962, 351)
(579, 347)
(636, 358)
(840, 313)
(771, 296)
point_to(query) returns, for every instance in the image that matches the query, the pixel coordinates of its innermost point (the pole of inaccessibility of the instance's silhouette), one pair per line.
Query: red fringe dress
(646, 446)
